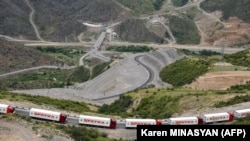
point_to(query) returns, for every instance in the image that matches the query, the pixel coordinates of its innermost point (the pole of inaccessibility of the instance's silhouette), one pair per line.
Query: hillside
(134, 30)
(162, 82)
(15, 19)
(230, 8)
(62, 21)
(56, 20)
(14, 56)
(66, 19)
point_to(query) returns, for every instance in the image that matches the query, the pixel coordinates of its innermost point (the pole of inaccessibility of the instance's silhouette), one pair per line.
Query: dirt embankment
(230, 32)
(220, 80)
(20, 130)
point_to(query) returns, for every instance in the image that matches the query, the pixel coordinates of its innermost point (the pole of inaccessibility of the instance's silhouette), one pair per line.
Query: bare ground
(213, 80)
(220, 80)
(20, 130)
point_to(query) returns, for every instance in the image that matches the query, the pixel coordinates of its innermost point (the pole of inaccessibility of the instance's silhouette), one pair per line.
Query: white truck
(217, 117)
(184, 121)
(132, 123)
(4, 109)
(241, 113)
(47, 115)
(97, 121)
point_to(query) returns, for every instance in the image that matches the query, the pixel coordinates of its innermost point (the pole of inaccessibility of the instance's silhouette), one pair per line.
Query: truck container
(97, 121)
(241, 113)
(185, 121)
(132, 123)
(217, 117)
(4, 108)
(48, 115)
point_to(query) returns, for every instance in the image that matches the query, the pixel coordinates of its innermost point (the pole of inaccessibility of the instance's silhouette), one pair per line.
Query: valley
(134, 74)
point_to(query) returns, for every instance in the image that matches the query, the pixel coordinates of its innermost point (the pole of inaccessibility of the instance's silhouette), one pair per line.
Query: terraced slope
(124, 76)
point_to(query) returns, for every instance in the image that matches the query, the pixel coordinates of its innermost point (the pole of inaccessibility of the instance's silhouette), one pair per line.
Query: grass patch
(242, 121)
(241, 58)
(165, 102)
(67, 105)
(130, 48)
(100, 68)
(46, 78)
(177, 76)
(68, 54)
(235, 100)
(119, 107)
(48, 130)
(142, 6)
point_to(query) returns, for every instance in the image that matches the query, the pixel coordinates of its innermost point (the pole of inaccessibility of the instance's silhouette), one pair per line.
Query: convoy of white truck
(106, 122)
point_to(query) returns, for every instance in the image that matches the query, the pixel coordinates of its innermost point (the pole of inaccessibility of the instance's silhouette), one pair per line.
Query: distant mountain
(56, 19)
(61, 20)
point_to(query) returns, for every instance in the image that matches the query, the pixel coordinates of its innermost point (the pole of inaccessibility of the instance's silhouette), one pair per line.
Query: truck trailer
(97, 121)
(185, 121)
(48, 115)
(132, 123)
(241, 113)
(5, 109)
(217, 117)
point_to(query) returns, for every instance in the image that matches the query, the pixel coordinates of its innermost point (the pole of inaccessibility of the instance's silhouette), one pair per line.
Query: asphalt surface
(134, 71)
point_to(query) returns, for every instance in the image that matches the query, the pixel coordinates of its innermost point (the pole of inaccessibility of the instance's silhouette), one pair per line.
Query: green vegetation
(135, 30)
(157, 4)
(238, 8)
(119, 107)
(242, 121)
(142, 6)
(152, 106)
(66, 54)
(184, 71)
(77, 133)
(199, 53)
(241, 58)
(241, 86)
(98, 69)
(164, 102)
(130, 48)
(82, 133)
(68, 51)
(235, 100)
(67, 105)
(46, 78)
(179, 2)
(15, 56)
(51, 78)
(184, 29)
